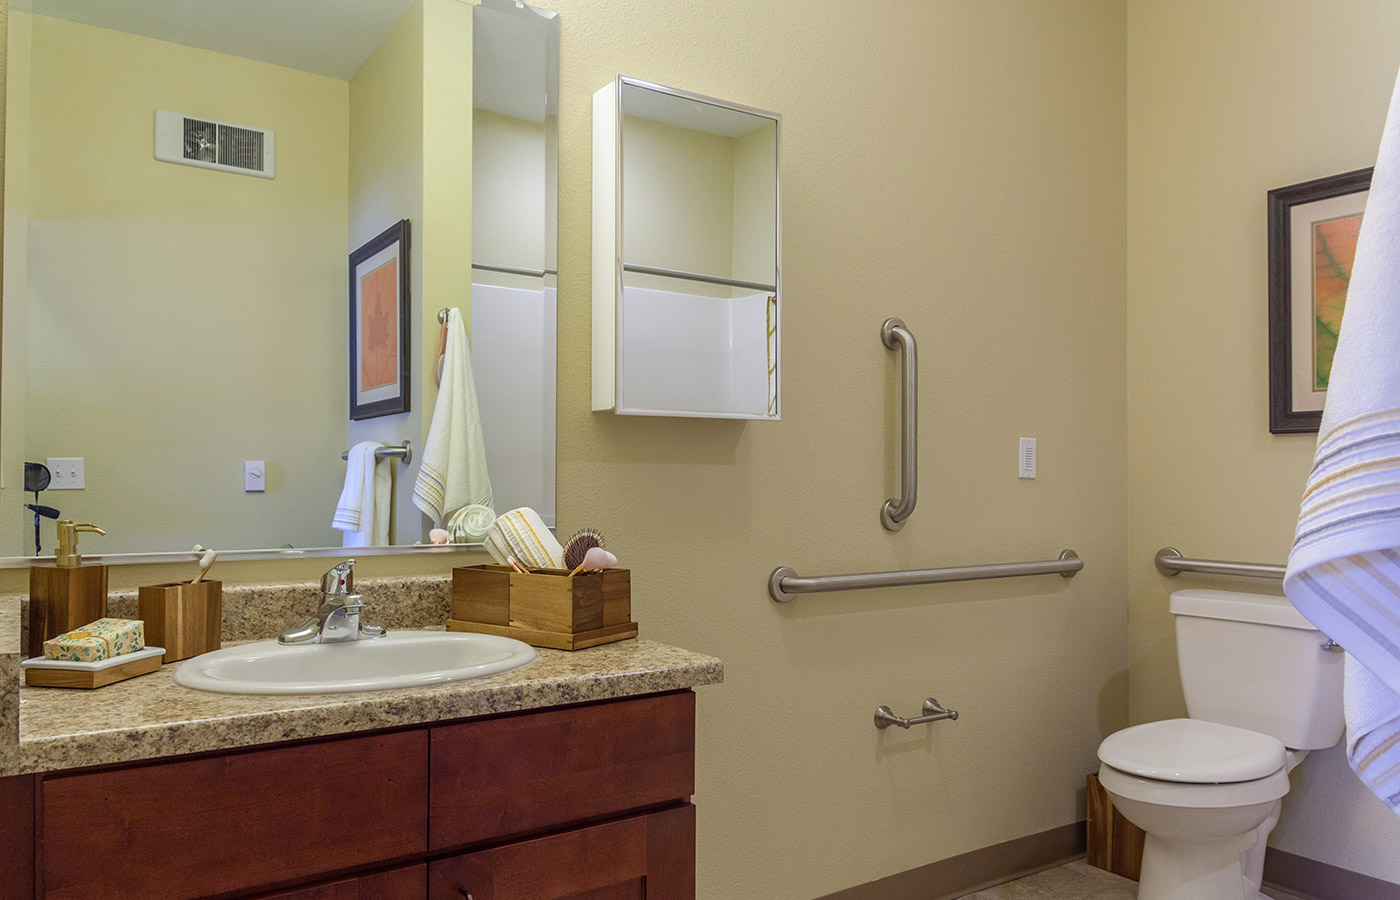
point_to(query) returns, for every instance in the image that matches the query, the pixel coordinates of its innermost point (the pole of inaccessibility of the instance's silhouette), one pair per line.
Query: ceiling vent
(211, 144)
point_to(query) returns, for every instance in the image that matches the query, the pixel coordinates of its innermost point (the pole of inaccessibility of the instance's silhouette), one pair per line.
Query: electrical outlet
(66, 473)
(254, 475)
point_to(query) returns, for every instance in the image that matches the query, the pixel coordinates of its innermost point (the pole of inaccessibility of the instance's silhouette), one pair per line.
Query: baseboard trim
(958, 876)
(1313, 880)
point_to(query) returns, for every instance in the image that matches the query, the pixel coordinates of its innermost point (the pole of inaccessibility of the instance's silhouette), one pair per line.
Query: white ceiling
(328, 37)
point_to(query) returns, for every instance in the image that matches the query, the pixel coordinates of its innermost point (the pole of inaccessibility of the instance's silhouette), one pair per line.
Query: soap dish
(40, 672)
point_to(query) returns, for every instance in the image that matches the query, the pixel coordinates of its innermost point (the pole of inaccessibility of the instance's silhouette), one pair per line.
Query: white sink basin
(398, 659)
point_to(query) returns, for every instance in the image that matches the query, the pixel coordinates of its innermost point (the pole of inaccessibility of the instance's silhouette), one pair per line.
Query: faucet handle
(336, 582)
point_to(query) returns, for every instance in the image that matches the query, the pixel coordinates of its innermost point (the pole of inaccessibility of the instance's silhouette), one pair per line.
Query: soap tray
(40, 672)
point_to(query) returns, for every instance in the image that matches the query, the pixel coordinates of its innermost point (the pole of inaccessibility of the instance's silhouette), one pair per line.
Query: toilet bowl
(1262, 688)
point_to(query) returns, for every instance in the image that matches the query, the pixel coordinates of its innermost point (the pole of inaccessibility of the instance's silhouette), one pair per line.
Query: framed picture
(379, 325)
(1313, 228)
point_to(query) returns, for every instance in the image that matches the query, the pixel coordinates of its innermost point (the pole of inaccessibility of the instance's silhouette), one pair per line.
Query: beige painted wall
(172, 279)
(509, 193)
(960, 165)
(1225, 102)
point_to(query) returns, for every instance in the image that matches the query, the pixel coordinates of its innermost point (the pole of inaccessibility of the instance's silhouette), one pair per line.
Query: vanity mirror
(687, 278)
(183, 329)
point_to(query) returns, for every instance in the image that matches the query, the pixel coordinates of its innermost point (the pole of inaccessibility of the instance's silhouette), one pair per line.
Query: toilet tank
(1253, 661)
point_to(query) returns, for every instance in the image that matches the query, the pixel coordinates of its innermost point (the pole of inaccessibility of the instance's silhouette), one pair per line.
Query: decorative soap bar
(98, 640)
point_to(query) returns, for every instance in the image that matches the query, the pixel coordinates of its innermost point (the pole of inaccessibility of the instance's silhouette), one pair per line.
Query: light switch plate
(66, 473)
(254, 475)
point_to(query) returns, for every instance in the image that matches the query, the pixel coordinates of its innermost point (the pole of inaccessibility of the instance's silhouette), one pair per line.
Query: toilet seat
(1193, 796)
(1193, 752)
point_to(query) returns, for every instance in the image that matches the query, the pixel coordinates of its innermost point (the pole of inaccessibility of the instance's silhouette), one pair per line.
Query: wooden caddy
(546, 608)
(186, 619)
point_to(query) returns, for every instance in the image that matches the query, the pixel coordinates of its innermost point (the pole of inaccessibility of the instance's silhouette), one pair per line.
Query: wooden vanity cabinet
(588, 802)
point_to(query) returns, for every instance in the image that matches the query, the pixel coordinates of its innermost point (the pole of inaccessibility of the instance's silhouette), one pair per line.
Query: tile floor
(1076, 881)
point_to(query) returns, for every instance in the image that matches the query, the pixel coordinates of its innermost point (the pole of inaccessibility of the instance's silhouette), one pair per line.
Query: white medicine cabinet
(687, 275)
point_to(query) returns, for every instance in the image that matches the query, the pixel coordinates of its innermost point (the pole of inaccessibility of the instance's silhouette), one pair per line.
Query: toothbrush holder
(186, 619)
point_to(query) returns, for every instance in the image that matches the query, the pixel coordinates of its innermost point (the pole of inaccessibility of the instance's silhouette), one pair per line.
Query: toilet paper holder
(933, 712)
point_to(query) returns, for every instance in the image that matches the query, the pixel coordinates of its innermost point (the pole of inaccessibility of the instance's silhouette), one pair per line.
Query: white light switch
(254, 475)
(1025, 463)
(66, 473)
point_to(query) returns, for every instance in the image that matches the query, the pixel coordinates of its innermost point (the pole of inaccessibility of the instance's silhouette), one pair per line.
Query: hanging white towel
(363, 509)
(1344, 569)
(453, 471)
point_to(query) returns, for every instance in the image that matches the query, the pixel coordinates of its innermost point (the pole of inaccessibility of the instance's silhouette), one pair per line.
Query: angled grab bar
(785, 584)
(894, 512)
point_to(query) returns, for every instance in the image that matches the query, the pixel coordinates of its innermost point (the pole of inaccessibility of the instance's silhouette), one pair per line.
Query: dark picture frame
(1291, 303)
(380, 304)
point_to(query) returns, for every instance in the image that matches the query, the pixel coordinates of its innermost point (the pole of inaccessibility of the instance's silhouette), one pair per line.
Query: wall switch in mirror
(67, 473)
(254, 475)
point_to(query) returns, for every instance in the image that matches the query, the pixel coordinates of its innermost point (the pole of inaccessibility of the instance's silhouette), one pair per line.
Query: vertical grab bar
(895, 511)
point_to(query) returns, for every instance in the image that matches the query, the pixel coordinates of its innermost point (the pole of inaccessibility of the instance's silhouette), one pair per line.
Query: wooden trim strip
(958, 876)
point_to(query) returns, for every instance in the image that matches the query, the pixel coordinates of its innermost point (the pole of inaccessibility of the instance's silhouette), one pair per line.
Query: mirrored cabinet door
(687, 292)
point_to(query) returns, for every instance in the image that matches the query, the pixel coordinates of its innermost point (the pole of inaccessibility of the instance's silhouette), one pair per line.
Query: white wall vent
(209, 144)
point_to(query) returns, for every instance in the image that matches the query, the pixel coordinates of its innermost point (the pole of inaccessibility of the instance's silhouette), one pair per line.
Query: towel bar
(1170, 562)
(402, 453)
(785, 584)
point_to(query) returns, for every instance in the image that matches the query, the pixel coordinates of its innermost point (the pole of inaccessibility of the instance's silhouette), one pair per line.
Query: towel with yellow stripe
(1344, 568)
(522, 534)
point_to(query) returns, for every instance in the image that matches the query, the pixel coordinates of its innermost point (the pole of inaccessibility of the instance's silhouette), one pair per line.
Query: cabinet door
(649, 857)
(507, 777)
(409, 883)
(229, 823)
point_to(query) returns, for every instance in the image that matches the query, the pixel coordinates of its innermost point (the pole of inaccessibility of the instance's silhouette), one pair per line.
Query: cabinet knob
(463, 892)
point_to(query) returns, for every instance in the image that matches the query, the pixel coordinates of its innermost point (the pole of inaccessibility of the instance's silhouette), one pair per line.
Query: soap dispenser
(68, 594)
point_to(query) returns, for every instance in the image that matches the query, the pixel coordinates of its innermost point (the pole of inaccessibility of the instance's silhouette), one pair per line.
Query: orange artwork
(379, 326)
(1334, 250)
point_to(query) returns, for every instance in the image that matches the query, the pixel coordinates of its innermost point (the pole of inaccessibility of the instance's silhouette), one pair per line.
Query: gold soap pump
(68, 594)
(67, 550)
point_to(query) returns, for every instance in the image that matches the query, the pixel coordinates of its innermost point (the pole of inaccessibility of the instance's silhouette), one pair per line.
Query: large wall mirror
(184, 330)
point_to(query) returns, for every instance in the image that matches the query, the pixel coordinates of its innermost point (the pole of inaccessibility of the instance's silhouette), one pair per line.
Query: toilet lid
(1192, 751)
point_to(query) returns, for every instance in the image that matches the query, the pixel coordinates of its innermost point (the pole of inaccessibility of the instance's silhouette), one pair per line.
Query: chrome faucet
(337, 619)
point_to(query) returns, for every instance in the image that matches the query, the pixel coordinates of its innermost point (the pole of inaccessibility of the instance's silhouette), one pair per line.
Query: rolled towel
(521, 533)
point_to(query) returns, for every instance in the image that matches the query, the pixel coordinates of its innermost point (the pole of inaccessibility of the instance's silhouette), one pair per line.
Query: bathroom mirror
(183, 329)
(687, 294)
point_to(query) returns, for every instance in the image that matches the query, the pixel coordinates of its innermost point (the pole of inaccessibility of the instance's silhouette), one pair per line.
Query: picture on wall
(379, 325)
(1313, 227)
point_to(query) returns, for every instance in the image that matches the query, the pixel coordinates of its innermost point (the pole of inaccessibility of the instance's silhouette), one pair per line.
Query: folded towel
(453, 471)
(363, 509)
(1344, 569)
(521, 533)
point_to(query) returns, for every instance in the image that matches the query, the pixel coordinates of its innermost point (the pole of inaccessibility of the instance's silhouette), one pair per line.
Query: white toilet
(1262, 689)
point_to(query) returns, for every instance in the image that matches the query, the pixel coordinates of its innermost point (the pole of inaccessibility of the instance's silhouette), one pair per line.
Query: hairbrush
(584, 539)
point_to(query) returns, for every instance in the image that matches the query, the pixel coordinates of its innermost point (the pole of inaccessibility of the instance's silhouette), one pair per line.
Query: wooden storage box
(186, 619)
(545, 608)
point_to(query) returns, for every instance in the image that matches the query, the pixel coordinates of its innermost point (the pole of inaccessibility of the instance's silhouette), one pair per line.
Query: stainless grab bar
(785, 584)
(404, 453)
(515, 270)
(696, 276)
(1170, 562)
(884, 718)
(894, 512)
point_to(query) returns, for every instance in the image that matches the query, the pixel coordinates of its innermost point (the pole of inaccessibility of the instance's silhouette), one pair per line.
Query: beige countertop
(151, 717)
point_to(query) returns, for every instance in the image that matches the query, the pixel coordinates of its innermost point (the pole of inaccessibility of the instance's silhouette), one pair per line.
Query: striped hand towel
(1344, 568)
(453, 471)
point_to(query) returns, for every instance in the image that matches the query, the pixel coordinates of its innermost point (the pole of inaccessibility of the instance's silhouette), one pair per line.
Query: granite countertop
(151, 717)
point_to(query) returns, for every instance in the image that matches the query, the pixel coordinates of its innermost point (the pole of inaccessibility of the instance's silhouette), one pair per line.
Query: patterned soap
(97, 641)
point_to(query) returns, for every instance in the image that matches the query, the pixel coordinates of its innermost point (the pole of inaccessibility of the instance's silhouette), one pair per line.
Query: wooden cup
(186, 619)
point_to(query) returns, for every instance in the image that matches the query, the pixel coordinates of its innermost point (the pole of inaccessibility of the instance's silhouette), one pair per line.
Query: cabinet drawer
(398, 884)
(504, 777)
(189, 829)
(651, 857)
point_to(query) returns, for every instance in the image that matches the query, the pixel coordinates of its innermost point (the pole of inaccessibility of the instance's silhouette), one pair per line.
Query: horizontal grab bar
(1171, 562)
(696, 276)
(785, 584)
(884, 718)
